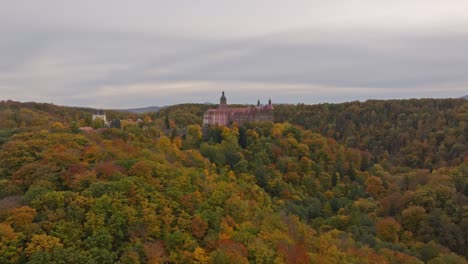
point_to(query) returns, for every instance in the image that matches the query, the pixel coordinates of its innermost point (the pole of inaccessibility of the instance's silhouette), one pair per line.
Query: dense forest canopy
(422, 133)
(358, 182)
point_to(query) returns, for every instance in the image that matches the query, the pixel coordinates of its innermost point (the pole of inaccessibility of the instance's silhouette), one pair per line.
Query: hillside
(421, 133)
(373, 182)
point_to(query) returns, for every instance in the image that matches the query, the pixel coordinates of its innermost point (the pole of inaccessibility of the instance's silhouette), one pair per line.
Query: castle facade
(224, 115)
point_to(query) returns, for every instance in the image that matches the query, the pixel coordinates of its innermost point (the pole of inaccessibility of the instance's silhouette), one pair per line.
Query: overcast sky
(120, 54)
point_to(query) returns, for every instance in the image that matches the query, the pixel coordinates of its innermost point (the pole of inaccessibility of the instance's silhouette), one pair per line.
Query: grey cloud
(76, 63)
(421, 61)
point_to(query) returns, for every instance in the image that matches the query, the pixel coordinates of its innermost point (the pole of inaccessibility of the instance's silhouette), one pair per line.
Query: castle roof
(227, 110)
(242, 110)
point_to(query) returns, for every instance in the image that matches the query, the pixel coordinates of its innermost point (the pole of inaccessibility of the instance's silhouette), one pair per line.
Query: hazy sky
(118, 54)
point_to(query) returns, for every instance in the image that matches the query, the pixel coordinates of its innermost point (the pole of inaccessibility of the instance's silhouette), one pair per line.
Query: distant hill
(464, 97)
(149, 109)
(152, 109)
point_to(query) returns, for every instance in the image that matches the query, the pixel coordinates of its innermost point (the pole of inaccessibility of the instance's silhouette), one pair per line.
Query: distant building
(100, 114)
(224, 115)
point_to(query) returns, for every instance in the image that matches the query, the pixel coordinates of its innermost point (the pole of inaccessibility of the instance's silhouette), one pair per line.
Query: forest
(381, 181)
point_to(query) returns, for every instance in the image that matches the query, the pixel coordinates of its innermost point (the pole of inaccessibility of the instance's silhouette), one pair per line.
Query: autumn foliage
(372, 182)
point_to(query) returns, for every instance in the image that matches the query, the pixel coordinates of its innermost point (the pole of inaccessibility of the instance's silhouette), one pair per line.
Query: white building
(100, 115)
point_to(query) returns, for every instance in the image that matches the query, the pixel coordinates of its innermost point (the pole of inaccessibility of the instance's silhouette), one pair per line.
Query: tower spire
(222, 100)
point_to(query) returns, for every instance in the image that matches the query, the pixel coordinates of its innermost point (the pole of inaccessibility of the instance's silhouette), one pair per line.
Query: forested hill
(422, 133)
(159, 191)
(16, 117)
(33, 116)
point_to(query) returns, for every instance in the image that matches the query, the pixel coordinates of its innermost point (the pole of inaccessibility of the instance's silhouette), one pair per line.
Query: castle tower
(222, 101)
(270, 106)
(258, 102)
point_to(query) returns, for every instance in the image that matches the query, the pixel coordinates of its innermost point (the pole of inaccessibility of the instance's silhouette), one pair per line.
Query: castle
(224, 115)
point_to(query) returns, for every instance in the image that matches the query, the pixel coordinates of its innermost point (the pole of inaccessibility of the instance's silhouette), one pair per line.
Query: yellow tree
(200, 256)
(44, 243)
(374, 186)
(413, 217)
(388, 229)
